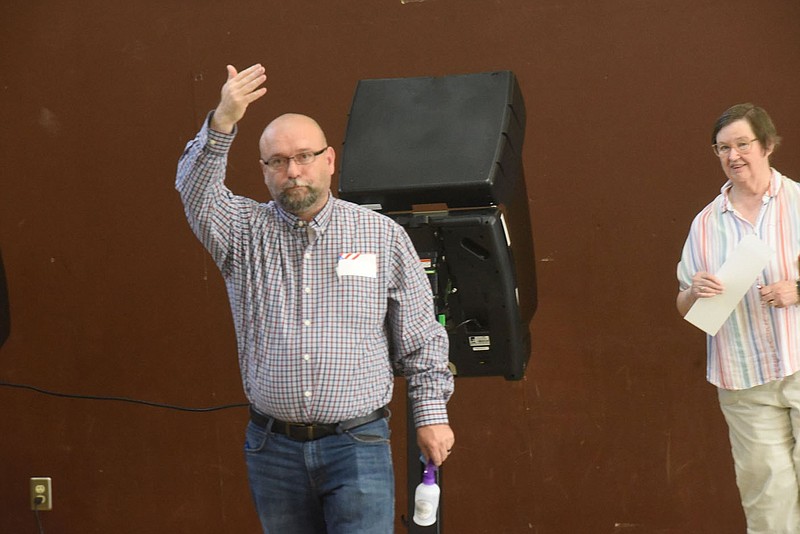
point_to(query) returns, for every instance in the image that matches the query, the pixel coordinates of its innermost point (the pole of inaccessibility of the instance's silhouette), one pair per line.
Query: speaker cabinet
(454, 140)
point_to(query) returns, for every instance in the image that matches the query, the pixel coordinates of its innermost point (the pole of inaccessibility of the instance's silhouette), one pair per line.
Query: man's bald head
(291, 125)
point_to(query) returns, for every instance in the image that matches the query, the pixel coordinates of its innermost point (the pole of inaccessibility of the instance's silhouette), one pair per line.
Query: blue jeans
(341, 484)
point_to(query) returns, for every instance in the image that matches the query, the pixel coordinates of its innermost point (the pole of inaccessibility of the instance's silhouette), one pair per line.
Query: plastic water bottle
(426, 497)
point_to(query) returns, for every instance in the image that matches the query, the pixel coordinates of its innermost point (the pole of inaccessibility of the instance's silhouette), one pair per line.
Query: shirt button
(307, 290)
(306, 357)
(307, 255)
(307, 394)
(307, 322)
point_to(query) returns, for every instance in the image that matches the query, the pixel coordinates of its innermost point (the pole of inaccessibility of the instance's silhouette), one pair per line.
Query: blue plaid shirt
(324, 311)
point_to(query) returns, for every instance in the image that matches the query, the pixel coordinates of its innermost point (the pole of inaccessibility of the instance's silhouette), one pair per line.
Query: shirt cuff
(216, 143)
(430, 413)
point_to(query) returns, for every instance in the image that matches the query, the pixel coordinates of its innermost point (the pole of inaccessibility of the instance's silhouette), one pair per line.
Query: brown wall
(613, 430)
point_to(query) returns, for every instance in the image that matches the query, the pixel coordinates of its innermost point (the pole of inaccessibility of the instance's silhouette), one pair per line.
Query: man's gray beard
(298, 205)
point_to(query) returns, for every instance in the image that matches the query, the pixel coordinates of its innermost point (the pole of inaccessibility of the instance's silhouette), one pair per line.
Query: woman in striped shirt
(754, 358)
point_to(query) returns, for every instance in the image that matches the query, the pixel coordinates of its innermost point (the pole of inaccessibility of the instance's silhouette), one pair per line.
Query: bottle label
(423, 509)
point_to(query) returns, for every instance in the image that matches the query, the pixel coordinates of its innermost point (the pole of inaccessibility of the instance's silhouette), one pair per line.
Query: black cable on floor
(122, 399)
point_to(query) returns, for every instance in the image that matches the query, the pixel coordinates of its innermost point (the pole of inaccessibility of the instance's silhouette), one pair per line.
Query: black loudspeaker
(472, 274)
(453, 144)
(5, 314)
(455, 140)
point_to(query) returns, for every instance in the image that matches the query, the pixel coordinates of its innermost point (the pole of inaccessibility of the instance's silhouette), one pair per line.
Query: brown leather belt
(312, 431)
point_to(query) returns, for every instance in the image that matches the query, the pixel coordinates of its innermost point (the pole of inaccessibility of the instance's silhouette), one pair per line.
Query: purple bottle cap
(429, 474)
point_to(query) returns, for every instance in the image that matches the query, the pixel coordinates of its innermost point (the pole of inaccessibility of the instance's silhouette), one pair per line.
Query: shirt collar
(319, 223)
(772, 191)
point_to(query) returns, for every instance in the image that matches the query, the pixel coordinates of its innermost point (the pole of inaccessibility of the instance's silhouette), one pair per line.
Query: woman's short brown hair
(758, 119)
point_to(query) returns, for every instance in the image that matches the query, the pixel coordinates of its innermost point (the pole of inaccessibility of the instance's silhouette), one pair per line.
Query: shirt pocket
(362, 301)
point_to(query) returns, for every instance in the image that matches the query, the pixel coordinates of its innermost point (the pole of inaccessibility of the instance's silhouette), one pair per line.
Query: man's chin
(297, 200)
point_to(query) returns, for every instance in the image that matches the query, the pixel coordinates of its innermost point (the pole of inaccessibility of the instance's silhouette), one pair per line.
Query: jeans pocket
(371, 433)
(367, 438)
(255, 438)
(727, 397)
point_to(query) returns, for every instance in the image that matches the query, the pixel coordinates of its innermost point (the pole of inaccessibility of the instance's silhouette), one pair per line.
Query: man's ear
(330, 155)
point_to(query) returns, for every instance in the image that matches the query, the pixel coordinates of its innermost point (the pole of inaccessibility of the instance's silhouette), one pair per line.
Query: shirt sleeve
(214, 213)
(684, 269)
(692, 256)
(420, 342)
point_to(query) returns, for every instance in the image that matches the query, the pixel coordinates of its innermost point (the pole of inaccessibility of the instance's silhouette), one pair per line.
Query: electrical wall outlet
(41, 493)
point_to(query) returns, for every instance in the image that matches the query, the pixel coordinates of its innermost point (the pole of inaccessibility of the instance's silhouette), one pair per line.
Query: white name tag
(357, 264)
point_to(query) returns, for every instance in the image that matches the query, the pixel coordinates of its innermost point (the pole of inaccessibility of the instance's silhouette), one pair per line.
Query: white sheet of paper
(738, 273)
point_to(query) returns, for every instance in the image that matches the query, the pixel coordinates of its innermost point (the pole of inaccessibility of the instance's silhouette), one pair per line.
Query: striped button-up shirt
(758, 343)
(324, 311)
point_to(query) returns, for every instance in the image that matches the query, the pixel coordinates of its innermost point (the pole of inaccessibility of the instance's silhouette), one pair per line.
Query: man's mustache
(293, 183)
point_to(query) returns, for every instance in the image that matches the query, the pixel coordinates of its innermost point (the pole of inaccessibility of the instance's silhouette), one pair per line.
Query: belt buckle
(300, 432)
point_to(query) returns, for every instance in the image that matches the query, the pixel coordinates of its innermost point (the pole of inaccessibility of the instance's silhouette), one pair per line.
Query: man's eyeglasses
(742, 147)
(279, 163)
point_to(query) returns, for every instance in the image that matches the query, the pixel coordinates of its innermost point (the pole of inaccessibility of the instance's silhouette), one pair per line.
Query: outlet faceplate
(41, 493)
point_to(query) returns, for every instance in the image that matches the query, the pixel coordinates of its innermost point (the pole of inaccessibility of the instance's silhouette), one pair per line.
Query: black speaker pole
(435, 270)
